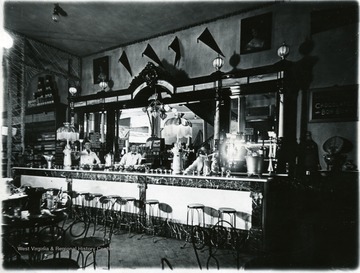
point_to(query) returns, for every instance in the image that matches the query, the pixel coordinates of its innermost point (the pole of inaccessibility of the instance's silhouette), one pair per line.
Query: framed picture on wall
(256, 33)
(101, 69)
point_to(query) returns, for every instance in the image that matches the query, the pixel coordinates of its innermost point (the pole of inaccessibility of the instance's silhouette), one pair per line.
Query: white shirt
(131, 159)
(89, 158)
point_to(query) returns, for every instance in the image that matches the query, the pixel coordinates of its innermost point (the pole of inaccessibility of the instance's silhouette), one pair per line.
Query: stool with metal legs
(77, 204)
(165, 217)
(229, 211)
(92, 207)
(191, 208)
(124, 209)
(138, 216)
(150, 219)
(223, 211)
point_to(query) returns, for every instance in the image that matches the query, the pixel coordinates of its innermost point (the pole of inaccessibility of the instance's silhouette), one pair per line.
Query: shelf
(49, 107)
(43, 93)
(258, 118)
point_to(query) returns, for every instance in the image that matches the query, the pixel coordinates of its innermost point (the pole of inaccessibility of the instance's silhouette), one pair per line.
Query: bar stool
(199, 208)
(90, 208)
(151, 203)
(79, 202)
(149, 224)
(165, 217)
(129, 211)
(191, 208)
(229, 211)
(122, 212)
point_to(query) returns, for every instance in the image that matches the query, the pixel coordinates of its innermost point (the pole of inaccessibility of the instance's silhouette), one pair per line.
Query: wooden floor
(144, 252)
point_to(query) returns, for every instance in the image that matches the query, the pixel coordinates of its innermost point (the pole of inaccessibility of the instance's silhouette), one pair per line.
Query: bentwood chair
(220, 238)
(99, 239)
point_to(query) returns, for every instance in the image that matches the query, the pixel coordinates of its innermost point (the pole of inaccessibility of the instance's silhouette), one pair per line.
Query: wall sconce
(218, 62)
(283, 51)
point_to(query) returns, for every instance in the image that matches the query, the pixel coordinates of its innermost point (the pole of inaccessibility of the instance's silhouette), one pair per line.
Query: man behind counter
(131, 158)
(88, 157)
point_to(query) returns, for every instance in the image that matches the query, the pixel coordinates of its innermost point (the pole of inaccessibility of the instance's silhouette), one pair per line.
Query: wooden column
(110, 130)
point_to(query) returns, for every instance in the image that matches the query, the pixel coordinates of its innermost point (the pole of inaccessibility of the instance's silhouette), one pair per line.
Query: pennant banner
(175, 45)
(208, 39)
(125, 61)
(149, 52)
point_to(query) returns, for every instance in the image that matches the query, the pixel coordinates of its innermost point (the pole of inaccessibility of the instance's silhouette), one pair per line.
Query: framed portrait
(256, 33)
(101, 69)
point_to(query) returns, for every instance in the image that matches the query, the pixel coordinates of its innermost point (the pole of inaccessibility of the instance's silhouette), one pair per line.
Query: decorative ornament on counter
(69, 133)
(48, 159)
(109, 158)
(177, 155)
(335, 148)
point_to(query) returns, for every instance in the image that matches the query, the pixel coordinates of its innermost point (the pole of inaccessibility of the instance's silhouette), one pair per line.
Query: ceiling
(92, 27)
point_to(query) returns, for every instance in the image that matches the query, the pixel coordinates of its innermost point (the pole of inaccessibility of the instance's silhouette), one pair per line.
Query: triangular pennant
(175, 45)
(208, 39)
(125, 61)
(149, 51)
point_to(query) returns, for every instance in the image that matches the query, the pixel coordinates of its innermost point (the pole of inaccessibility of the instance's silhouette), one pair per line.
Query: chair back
(107, 220)
(219, 238)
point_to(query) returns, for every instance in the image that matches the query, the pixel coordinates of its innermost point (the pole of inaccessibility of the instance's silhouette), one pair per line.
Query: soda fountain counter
(284, 216)
(249, 196)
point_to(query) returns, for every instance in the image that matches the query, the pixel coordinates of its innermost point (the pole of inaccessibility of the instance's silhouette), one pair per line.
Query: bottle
(308, 156)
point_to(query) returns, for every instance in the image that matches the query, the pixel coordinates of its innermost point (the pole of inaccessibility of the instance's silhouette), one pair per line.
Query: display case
(41, 123)
(46, 93)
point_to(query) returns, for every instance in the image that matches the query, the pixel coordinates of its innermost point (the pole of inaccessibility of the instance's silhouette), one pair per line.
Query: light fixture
(57, 12)
(6, 39)
(72, 90)
(103, 84)
(69, 133)
(283, 51)
(102, 78)
(218, 62)
(156, 107)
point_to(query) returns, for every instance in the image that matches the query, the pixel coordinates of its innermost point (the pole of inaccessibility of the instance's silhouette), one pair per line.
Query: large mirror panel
(253, 116)
(153, 133)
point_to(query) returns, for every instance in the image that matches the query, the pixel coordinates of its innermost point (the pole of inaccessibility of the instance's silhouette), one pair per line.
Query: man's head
(87, 145)
(133, 148)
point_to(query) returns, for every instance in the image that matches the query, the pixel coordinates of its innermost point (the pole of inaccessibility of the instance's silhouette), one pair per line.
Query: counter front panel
(247, 195)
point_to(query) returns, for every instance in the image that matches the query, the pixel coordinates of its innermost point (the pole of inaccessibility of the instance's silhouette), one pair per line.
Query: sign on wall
(334, 104)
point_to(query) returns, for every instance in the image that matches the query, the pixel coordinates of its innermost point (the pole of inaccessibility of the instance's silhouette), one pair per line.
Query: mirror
(253, 115)
(182, 122)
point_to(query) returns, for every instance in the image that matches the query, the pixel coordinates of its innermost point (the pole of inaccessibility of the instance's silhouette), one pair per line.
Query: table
(28, 237)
